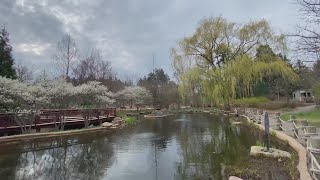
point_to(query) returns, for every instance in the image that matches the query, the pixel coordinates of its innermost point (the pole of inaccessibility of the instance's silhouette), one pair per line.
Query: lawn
(313, 117)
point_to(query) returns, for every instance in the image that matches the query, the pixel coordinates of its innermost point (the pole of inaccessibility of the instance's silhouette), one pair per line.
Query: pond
(184, 146)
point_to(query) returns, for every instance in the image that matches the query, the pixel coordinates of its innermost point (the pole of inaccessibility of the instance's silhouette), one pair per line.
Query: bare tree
(23, 72)
(104, 69)
(131, 78)
(92, 67)
(308, 35)
(66, 55)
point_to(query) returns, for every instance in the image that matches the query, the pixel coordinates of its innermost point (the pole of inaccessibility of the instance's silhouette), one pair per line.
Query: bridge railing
(10, 120)
(79, 112)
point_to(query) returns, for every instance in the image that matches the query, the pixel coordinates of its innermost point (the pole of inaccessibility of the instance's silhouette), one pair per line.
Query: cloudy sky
(127, 32)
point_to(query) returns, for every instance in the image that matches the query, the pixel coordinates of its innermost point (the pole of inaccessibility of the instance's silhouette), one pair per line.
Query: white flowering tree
(13, 94)
(25, 100)
(133, 95)
(22, 100)
(61, 94)
(94, 94)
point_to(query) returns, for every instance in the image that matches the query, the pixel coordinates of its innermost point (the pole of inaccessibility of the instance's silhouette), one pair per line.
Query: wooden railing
(47, 117)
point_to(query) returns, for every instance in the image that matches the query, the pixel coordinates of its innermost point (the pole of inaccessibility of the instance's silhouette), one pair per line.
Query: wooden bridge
(16, 123)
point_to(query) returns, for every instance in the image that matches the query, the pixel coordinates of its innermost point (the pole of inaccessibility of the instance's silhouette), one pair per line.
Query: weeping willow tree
(240, 75)
(218, 59)
(190, 79)
(191, 87)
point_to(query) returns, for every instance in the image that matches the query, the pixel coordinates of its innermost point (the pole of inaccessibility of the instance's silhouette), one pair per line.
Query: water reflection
(182, 147)
(60, 158)
(206, 146)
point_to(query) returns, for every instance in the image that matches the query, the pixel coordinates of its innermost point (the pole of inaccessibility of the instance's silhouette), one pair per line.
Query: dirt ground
(263, 168)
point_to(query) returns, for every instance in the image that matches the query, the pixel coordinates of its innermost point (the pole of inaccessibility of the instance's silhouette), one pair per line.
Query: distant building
(303, 95)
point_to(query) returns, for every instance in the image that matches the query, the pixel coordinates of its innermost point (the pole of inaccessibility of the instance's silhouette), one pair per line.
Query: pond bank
(256, 169)
(301, 151)
(261, 167)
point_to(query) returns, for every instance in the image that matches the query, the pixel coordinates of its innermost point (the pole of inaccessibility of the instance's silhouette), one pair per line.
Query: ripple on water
(181, 120)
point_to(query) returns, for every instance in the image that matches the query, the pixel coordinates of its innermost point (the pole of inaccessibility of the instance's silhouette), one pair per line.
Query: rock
(115, 125)
(117, 121)
(276, 153)
(234, 178)
(91, 126)
(106, 124)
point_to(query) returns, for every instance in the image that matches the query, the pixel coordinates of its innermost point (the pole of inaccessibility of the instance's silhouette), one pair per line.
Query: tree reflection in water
(207, 146)
(62, 158)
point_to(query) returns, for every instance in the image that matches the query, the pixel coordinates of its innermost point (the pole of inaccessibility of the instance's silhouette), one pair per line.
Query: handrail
(46, 116)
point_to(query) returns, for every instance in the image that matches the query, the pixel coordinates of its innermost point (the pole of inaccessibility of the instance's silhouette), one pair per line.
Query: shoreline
(28, 137)
(301, 151)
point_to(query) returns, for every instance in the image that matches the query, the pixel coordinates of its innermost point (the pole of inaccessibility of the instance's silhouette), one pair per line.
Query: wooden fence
(53, 118)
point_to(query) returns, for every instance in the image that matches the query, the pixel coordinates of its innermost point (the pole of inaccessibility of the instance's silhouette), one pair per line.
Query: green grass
(130, 120)
(313, 117)
(258, 143)
(88, 106)
(273, 133)
(127, 119)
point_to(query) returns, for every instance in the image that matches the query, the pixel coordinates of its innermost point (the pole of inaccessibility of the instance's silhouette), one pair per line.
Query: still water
(185, 146)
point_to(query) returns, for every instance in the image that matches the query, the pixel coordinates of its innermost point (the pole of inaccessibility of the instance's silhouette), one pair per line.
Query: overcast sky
(127, 32)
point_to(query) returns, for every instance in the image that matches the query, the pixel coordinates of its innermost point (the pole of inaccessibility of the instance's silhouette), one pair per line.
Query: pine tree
(6, 59)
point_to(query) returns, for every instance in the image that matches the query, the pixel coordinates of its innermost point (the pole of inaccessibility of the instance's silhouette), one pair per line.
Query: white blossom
(16, 95)
(95, 93)
(134, 94)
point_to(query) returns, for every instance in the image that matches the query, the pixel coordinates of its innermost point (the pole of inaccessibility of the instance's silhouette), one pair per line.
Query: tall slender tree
(66, 55)
(24, 73)
(6, 59)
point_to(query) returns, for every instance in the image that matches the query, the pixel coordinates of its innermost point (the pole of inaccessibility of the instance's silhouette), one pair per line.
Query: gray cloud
(127, 32)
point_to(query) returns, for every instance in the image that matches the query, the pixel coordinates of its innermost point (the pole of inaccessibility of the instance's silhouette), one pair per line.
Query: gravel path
(295, 110)
(303, 109)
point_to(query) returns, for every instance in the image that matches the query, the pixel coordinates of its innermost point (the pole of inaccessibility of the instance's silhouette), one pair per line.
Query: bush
(274, 105)
(251, 102)
(264, 103)
(127, 119)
